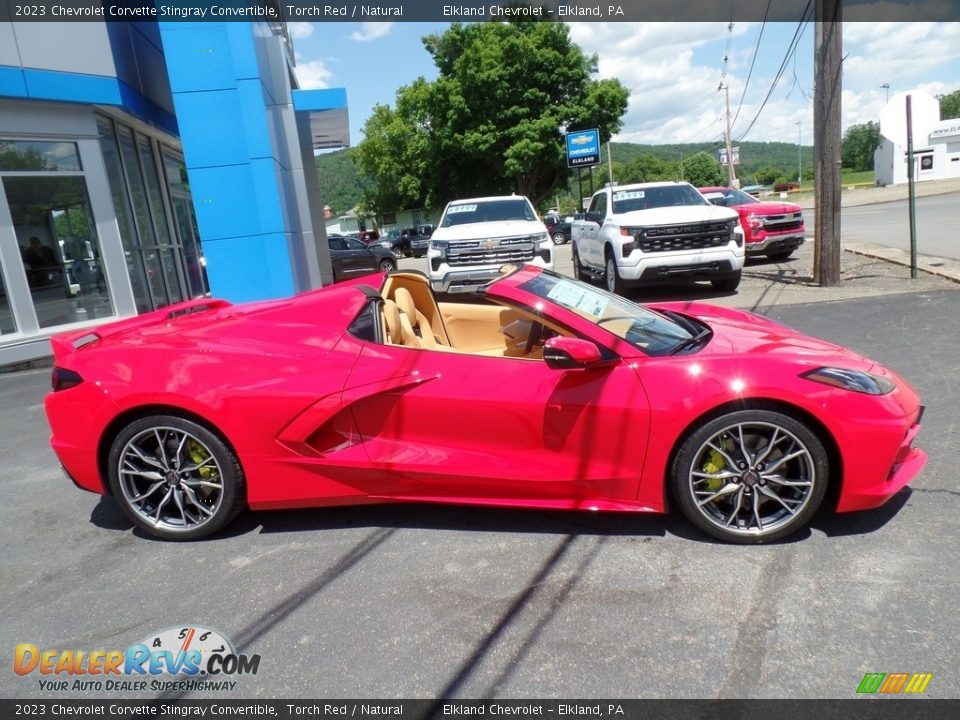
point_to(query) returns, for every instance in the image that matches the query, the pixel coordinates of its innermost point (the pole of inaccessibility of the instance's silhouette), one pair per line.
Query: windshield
(628, 200)
(728, 197)
(651, 332)
(474, 211)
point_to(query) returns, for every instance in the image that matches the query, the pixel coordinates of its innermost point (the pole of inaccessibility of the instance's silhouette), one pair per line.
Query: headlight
(854, 380)
(439, 245)
(540, 238)
(754, 220)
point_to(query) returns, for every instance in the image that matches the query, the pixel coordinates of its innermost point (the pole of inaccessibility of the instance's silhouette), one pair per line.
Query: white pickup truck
(657, 232)
(477, 236)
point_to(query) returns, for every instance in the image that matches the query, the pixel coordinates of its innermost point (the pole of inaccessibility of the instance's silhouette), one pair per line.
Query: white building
(936, 142)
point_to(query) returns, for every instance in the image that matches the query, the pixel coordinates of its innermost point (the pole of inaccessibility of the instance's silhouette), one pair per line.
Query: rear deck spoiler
(69, 342)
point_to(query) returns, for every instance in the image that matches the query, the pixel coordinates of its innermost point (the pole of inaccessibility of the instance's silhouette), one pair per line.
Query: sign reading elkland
(583, 148)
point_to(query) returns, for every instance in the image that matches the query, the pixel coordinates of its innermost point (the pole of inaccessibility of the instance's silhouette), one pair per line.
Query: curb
(940, 267)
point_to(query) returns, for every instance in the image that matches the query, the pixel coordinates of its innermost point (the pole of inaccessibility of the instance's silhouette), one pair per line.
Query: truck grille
(779, 223)
(689, 236)
(490, 251)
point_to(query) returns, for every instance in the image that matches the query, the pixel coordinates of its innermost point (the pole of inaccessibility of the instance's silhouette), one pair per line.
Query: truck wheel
(577, 267)
(726, 283)
(611, 275)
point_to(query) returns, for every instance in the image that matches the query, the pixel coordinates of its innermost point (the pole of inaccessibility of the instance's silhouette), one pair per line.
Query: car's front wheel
(175, 478)
(726, 283)
(750, 476)
(558, 238)
(611, 275)
(387, 265)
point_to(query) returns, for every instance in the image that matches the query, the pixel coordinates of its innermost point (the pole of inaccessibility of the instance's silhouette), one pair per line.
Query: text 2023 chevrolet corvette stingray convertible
(550, 394)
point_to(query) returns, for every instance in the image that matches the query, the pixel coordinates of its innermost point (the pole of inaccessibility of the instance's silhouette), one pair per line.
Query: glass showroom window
(55, 232)
(7, 323)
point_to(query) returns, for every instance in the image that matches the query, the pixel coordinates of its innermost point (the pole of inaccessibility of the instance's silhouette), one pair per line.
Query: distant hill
(342, 187)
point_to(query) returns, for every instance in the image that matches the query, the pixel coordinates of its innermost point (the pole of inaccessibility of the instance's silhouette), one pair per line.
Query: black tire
(152, 451)
(726, 283)
(387, 265)
(779, 256)
(577, 266)
(558, 238)
(727, 506)
(611, 274)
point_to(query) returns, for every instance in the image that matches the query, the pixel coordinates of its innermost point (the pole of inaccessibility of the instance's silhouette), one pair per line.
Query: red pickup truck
(774, 229)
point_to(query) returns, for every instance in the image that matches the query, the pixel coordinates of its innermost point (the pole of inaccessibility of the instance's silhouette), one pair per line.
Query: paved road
(888, 224)
(415, 601)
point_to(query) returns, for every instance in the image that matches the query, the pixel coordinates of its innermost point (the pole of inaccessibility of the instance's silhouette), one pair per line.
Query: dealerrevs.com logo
(198, 657)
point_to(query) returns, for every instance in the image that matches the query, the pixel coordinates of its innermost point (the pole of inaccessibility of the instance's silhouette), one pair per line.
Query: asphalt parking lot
(415, 601)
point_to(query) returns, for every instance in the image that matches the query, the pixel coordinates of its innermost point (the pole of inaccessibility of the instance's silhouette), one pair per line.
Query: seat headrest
(405, 303)
(391, 314)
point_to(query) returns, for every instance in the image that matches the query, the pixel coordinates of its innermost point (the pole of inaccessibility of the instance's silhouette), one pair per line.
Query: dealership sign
(583, 148)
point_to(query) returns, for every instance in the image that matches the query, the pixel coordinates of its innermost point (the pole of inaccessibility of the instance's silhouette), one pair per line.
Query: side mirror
(593, 217)
(567, 353)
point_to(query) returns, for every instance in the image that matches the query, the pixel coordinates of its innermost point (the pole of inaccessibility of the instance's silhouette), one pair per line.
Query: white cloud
(673, 82)
(370, 31)
(312, 74)
(300, 30)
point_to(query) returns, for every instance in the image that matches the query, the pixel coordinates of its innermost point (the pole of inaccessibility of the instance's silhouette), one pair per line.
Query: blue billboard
(583, 148)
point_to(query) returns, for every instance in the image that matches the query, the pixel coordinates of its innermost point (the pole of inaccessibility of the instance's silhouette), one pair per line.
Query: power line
(786, 59)
(753, 60)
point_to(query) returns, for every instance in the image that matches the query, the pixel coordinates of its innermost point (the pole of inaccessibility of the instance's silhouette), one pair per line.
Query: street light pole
(886, 86)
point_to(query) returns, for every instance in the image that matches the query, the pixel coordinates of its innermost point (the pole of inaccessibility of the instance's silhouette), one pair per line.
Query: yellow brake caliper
(197, 454)
(714, 464)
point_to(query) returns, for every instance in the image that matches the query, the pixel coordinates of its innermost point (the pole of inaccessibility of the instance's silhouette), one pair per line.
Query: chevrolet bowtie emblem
(489, 243)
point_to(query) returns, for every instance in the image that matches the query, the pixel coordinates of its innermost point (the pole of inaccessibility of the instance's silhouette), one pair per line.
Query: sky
(672, 71)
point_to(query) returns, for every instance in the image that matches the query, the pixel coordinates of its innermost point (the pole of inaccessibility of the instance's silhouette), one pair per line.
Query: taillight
(62, 379)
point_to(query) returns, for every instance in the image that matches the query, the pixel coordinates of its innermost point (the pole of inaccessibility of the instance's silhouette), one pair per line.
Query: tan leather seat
(391, 318)
(418, 324)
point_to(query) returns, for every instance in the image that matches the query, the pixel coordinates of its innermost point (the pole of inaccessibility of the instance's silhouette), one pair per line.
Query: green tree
(950, 105)
(859, 142)
(645, 168)
(490, 123)
(701, 169)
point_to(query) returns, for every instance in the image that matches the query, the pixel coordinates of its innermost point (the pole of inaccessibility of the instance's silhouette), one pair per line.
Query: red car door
(454, 426)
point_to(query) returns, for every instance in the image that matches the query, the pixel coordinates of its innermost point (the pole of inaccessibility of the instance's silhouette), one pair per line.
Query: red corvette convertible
(550, 394)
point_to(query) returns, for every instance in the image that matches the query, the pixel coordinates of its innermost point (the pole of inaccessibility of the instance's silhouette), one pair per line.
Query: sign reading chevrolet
(583, 148)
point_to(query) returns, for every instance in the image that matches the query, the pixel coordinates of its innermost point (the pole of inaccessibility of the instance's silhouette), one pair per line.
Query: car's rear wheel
(726, 283)
(558, 238)
(387, 265)
(175, 478)
(750, 476)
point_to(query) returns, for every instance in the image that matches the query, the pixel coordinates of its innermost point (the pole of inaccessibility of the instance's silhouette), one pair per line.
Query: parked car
(351, 257)
(654, 233)
(397, 241)
(774, 229)
(476, 236)
(558, 229)
(553, 394)
(420, 239)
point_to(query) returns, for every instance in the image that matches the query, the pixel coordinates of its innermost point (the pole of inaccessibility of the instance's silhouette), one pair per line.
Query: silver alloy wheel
(559, 238)
(752, 478)
(611, 274)
(386, 266)
(170, 478)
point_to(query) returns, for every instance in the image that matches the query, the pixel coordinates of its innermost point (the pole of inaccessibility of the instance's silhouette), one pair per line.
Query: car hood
(742, 333)
(482, 230)
(767, 208)
(676, 215)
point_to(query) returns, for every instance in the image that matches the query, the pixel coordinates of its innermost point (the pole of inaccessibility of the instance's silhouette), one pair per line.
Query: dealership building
(936, 142)
(124, 145)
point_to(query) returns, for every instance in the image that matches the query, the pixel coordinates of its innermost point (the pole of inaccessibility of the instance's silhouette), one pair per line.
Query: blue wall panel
(245, 267)
(233, 162)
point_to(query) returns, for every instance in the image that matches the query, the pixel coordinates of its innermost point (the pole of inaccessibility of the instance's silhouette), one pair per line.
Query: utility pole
(731, 177)
(610, 161)
(886, 86)
(799, 156)
(826, 122)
